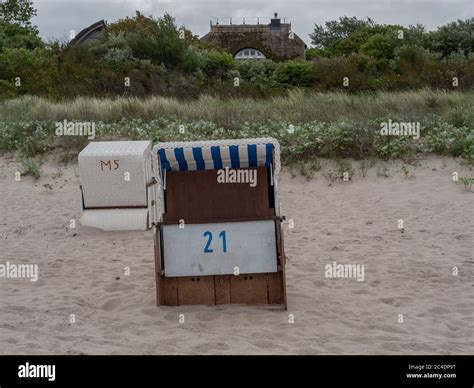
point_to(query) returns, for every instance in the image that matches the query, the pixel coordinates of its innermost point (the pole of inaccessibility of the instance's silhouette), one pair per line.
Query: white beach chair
(117, 185)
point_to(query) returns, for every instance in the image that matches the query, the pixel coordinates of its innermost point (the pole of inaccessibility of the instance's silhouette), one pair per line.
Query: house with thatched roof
(275, 40)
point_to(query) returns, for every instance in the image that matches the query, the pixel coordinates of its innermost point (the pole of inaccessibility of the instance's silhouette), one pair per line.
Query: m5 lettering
(111, 164)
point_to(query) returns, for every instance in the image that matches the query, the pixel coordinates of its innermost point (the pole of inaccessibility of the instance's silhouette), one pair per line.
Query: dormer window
(249, 53)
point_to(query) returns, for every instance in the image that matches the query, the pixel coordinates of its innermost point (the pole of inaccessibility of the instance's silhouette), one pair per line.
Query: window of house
(249, 54)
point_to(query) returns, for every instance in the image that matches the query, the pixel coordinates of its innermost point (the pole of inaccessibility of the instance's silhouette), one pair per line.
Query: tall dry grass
(297, 107)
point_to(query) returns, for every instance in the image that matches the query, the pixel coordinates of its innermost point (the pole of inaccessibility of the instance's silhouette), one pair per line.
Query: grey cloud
(57, 17)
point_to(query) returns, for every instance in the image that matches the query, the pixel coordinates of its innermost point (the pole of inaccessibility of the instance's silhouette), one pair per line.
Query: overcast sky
(57, 17)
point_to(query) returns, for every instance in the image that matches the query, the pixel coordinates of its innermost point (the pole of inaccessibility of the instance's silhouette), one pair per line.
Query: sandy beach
(81, 271)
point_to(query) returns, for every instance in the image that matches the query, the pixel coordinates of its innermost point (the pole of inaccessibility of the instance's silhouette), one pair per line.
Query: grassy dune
(297, 107)
(308, 126)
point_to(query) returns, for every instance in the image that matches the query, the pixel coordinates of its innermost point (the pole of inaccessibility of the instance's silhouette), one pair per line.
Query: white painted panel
(251, 246)
(115, 219)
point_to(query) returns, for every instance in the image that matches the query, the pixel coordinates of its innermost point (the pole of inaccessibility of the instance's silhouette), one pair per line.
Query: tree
(17, 12)
(15, 36)
(336, 30)
(415, 35)
(455, 37)
(379, 46)
(157, 40)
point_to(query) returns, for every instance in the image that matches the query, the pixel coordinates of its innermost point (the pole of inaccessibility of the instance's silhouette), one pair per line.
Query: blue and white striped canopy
(208, 155)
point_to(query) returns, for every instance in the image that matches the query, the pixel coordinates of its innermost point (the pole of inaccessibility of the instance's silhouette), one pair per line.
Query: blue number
(224, 243)
(222, 235)
(206, 248)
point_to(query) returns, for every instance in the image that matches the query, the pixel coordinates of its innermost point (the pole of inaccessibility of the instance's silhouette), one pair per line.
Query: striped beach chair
(218, 235)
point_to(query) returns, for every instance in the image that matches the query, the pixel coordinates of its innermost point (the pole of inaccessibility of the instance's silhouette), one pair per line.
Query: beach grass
(308, 125)
(298, 107)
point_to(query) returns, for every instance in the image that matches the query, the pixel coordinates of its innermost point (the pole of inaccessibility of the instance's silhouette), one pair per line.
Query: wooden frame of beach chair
(193, 206)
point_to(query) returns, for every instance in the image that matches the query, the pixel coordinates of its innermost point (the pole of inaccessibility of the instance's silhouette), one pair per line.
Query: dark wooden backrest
(198, 196)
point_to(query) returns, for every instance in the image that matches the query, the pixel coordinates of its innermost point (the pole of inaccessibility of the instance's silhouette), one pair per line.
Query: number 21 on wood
(208, 234)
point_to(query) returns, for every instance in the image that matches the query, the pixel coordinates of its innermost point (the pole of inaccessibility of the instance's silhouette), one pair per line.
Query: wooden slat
(196, 195)
(158, 269)
(222, 286)
(283, 266)
(170, 291)
(275, 288)
(196, 290)
(217, 220)
(249, 289)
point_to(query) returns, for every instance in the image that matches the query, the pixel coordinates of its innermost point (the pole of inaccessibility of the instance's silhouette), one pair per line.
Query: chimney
(275, 24)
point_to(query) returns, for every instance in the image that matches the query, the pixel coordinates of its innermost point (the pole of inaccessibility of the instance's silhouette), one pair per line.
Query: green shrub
(446, 139)
(313, 53)
(217, 64)
(257, 71)
(35, 69)
(300, 142)
(388, 147)
(30, 167)
(30, 138)
(153, 54)
(157, 40)
(194, 61)
(295, 73)
(358, 70)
